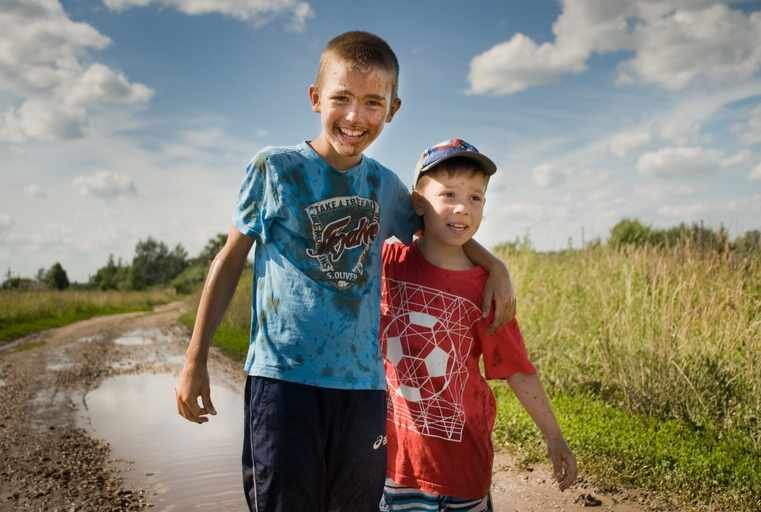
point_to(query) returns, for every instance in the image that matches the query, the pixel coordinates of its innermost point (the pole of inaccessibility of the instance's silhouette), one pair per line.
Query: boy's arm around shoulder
(499, 286)
(530, 392)
(218, 289)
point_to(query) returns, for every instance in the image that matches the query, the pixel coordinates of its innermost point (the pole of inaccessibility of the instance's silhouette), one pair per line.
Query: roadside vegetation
(652, 358)
(155, 275)
(649, 346)
(23, 312)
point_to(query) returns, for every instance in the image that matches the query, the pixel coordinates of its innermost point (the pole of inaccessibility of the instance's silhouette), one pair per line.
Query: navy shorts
(313, 449)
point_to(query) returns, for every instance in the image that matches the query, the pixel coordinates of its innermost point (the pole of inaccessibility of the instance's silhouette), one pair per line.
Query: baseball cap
(450, 149)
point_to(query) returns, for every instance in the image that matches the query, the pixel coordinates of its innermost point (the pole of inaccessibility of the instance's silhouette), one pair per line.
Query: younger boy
(440, 409)
(315, 393)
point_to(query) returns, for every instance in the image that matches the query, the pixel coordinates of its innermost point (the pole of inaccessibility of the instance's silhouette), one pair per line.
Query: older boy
(319, 211)
(440, 409)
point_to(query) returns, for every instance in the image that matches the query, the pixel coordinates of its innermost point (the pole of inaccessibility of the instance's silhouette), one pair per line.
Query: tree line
(632, 232)
(153, 265)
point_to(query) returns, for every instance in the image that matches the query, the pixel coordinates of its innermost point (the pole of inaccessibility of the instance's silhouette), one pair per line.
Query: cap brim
(485, 162)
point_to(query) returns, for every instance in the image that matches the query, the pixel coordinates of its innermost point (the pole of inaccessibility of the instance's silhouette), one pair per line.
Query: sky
(123, 119)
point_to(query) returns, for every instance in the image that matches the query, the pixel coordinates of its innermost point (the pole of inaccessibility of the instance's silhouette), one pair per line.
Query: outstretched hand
(499, 290)
(563, 462)
(192, 384)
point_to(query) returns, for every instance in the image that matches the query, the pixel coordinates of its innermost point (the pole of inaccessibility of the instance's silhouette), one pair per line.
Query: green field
(25, 312)
(652, 359)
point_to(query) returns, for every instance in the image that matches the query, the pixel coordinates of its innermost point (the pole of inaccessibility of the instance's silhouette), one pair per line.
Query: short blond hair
(364, 50)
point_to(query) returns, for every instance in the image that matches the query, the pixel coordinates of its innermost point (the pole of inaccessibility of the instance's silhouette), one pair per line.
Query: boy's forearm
(481, 256)
(219, 287)
(530, 392)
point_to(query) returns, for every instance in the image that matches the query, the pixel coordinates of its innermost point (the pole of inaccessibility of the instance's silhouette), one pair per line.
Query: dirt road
(88, 423)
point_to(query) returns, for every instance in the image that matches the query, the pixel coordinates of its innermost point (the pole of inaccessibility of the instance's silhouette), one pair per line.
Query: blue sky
(121, 119)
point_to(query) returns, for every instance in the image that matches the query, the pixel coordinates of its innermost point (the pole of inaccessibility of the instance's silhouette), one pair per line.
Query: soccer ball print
(427, 341)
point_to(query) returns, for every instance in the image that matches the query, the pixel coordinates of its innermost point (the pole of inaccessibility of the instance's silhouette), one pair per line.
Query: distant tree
(109, 276)
(748, 243)
(520, 243)
(40, 277)
(630, 232)
(176, 262)
(154, 264)
(696, 235)
(212, 247)
(56, 277)
(18, 283)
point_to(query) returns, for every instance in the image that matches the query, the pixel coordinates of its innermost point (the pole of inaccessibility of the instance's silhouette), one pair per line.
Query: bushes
(632, 233)
(155, 265)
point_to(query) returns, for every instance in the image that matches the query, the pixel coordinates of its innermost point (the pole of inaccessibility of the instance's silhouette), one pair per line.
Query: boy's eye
(476, 198)
(340, 99)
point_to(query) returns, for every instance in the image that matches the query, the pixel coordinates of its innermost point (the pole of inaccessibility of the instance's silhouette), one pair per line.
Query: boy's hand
(499, 289)
(194, 382)
(563, 462)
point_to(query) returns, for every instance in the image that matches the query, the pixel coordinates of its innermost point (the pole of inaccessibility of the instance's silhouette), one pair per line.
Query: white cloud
(34, 191)
(6, 223)
(738, 159)
(686, 45)
(518, 64)
(208, 144)
(675, 43)
(256, 11)
(625, 142)
(679, 161)
(755, 175)
(101, 84)
(43, 63)
(750, 130)
(105, 185)
(685, 212)
(547, 175)
(683, 124)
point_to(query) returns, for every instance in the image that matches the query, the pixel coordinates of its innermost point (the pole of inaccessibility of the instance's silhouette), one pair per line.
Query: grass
(674, 335)
(631, 450)
(651, 358)
(26, 312)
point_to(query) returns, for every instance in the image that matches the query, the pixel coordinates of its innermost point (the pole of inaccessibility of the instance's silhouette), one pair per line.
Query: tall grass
(672, 334)
(24, 312)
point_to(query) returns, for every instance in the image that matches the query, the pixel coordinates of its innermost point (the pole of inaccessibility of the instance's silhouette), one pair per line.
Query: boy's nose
(352, 113)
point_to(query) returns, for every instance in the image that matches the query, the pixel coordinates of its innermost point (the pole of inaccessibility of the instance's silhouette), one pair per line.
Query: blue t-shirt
(316, 290)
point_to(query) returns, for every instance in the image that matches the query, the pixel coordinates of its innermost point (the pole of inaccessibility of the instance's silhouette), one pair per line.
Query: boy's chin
(345, 150)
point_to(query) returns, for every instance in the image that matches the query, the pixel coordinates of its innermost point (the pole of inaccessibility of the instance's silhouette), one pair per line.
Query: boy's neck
(336, 161)
(450, 257)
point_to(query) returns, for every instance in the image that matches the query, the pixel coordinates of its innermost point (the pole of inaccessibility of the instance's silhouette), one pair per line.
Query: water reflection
(189, 466)
(139, 337)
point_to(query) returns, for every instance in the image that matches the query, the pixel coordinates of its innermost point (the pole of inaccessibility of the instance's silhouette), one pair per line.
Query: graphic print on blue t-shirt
(339, 225)
(316, 286)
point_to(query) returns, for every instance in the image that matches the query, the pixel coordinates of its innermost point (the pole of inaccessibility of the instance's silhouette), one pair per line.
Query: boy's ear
(396, 104)
(314, 97)
(417, 203)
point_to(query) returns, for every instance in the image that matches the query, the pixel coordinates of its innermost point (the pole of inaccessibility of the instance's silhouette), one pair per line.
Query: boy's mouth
(350, 133)
(457, 226)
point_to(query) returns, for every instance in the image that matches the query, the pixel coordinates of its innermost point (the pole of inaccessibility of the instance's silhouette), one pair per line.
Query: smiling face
(354, 103)
(452, 204)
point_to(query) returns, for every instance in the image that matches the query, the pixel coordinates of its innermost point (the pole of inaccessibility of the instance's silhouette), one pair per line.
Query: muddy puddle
(183, 465)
